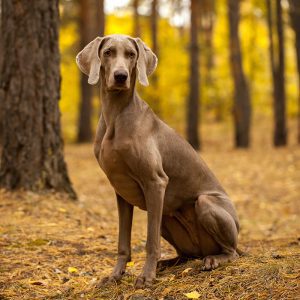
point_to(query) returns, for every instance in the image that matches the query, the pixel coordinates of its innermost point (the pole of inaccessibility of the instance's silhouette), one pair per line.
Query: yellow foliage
(170, 94)
(70, 79)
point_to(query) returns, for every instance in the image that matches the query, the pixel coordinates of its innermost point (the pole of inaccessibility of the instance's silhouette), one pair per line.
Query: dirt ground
(54, 248)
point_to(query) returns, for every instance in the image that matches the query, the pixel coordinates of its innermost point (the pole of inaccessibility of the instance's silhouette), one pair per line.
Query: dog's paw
(143, 282)
(112, 279)
(210, 263)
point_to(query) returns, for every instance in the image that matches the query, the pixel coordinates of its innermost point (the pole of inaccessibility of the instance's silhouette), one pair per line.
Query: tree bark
(136, 19)
(1, 92)
(154, 18)
(207, 24)
(295, 22)
(91, 25)
(277, 69)
(154, 78)
(101, 18)
(100, 30)
(193, 99)
(32, 156)
(242, 105)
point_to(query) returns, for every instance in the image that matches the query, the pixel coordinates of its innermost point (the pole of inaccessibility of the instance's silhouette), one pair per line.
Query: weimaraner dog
(150, 166)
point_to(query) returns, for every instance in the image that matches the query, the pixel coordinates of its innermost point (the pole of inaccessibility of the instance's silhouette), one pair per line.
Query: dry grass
(41, 236)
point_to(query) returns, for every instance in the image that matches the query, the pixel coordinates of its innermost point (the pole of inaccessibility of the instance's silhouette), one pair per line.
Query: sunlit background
(173, 68)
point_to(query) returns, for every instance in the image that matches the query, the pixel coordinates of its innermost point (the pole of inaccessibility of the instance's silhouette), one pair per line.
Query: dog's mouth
(119, 87)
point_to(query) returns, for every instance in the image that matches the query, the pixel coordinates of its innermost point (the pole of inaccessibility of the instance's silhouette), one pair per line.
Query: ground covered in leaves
(54, 248)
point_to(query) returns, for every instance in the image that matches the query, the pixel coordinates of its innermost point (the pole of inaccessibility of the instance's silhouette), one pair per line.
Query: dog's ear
(146, 63)
(88, 60)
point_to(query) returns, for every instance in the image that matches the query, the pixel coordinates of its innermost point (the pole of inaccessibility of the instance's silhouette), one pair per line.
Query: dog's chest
(110, 159)
(119, 174)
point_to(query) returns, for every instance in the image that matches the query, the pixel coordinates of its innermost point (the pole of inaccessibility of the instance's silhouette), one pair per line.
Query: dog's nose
(120, 76)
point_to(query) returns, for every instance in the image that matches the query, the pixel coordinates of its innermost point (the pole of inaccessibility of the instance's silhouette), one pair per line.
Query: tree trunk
(242, 105)
(154, 17)
(100, 30)
(193, 99)
(88, 30)
(295, 22)
(277, 68)
(32, 156)
(91, 25)
(101, 18)
(154, 77)
(136, 19)
(1, 92)
(207, 24)
(280, 136)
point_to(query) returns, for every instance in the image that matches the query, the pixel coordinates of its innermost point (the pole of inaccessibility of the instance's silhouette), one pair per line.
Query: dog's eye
(107, 53)
(131, 54)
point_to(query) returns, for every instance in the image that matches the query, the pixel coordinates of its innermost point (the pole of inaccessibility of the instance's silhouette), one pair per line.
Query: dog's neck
(114, 102)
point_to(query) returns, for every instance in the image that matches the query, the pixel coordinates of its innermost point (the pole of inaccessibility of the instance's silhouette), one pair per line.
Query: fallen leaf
(291, 276)
(166, 291)
(130, 264)
(37, 243)
(277, 256)
(65, 279)
(93, 281)
(172, 277)
(72, 270)
(57, 271)
(192, 295)
(185, 271)
(37, 282)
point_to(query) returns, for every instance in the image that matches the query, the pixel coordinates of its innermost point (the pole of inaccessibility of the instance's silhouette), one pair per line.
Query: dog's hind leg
(180, 258)
(216, 215)
(182, 236)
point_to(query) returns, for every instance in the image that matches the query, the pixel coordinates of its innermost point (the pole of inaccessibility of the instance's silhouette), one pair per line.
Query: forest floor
(55, 248)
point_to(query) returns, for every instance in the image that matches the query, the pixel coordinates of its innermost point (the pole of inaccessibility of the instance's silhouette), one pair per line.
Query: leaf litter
(55, 248)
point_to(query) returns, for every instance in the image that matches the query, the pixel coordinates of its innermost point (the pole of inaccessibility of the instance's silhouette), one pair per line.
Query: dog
(150, 166)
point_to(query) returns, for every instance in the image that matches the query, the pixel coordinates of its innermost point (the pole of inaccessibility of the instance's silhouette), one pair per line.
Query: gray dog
(150, 166)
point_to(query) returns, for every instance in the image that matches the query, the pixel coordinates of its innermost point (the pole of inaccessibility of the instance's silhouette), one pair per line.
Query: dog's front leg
(125, 211)
(154, 195)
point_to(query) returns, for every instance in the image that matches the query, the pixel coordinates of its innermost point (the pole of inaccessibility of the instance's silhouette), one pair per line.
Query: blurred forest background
(229, 86)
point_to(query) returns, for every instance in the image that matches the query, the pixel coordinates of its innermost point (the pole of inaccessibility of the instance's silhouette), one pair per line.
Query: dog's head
(116, 58)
